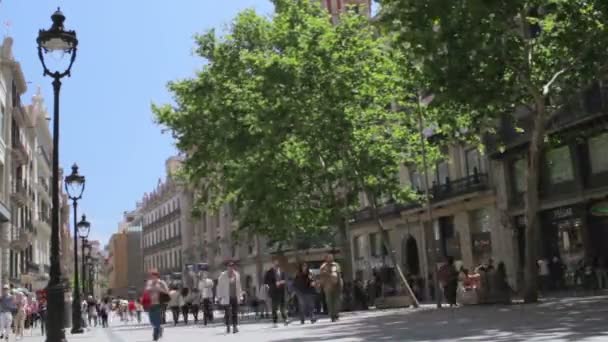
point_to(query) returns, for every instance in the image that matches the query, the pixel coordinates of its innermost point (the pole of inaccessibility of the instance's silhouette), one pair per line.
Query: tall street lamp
(56, 39)
(74, 186)
(84, 227)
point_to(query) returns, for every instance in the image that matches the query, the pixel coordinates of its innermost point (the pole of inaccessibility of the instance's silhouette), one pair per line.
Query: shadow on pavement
(565, 319)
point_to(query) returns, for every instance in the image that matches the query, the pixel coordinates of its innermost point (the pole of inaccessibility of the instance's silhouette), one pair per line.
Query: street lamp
(49, 41)
(74, 186)
(84, 227)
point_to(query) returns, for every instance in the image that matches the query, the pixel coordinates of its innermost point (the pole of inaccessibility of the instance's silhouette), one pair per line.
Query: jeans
(332, 298)
(306, 303)
(154, 314)
(231, 312)
(6, 319)
(207, 311)
(185, 311)
(278, 303)
(42, 315)
(175, 312)
(195, 308)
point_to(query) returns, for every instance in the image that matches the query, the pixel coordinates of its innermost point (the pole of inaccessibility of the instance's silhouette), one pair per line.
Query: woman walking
(195, 306)
(175, 303)
(229, 292)
(21, 301)
(157, 290)
(206, 289)
(105, 311)
(305, 292)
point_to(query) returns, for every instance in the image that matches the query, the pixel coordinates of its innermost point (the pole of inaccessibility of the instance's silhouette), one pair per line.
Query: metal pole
(84, 288)
(55, 290)
(76, 312)
(429, 209)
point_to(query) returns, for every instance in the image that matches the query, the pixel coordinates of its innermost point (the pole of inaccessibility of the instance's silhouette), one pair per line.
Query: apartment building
(168, 225)
(25, 169)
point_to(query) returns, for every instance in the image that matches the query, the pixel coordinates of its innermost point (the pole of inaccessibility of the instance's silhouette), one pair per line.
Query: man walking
(7, 306)
(331, 282)
(205, 287)
(276, 280)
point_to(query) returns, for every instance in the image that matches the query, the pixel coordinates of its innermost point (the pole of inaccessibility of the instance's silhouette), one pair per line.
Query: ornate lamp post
(49, 41)
(74, 186)
(84, 227)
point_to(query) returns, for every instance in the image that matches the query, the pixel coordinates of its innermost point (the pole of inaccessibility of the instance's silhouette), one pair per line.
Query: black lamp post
(51, 40)
(84, 227)
(74, 186)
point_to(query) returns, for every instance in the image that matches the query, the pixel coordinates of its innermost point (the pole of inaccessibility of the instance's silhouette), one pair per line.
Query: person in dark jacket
(306, 293)
(276, 280)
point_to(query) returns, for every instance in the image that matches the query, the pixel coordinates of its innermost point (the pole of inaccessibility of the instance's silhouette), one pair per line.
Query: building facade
(168, 225)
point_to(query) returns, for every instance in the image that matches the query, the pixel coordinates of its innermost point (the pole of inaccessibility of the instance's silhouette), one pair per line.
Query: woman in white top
(175, 304)
(229, 293)
(205, 287)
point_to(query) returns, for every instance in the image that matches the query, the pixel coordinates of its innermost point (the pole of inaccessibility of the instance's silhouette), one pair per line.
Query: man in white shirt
(205, 287)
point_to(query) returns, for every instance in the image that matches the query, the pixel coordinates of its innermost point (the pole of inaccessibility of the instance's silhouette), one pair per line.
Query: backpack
(146, 300)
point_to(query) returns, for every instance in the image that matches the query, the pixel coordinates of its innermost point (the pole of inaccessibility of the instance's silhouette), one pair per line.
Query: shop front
(597, 223)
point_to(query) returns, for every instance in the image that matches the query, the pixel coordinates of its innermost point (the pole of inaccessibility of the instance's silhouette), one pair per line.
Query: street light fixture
(56, 39)
(74, 186)
(84, 227)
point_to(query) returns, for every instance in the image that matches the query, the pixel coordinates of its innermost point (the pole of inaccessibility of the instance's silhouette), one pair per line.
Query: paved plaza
(565, 319)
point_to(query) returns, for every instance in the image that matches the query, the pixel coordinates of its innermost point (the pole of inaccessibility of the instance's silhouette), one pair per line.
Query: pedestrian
(304, 285)
(276, 280)
(84, 313)
(206, 289)
(185, 304)
(92, 308)
(21, 313)
(601, 273)
(229, 294)
(139, 308)
(7, 306)
(175, 304)
(157, 290)
(195, 303)
(263, 301)
(544, 274)
(131, 308)
(42, 315)
(105, 311)
(332, 284)
(448, 276)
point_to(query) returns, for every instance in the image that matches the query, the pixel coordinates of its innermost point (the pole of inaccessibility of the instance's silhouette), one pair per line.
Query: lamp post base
(77, 331)
(56, 304)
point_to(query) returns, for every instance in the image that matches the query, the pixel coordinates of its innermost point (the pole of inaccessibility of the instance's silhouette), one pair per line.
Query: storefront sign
(562, 213)
(482, 242)
(600, 209)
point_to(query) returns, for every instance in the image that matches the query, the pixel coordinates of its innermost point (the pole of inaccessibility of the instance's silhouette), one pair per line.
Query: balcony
(32, 267)
(450, 189)
(43, 223)
(22, 239)
(387, 210)
(20, 193)
(20, 156)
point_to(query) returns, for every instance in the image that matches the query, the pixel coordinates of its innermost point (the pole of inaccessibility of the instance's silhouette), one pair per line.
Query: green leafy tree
(291, 118)
(488, 58)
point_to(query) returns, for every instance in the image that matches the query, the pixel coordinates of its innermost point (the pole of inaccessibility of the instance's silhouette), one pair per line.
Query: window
(233, 250)
(443, 172)
(474, 162)
(480, 220)
(388, 239)
(179, 227)
(417, 180)
(519, 175)
(2, 122)
(373, 244)
(597, 153)
(559, 164)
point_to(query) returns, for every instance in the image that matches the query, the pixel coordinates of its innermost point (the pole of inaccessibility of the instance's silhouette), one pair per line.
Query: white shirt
(206, 288)
(543, 267)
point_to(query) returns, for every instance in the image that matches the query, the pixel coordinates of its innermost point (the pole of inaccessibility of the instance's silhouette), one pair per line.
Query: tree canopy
(292, 116)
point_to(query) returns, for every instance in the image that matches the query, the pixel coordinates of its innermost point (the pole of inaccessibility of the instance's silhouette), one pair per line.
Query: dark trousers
(42, 315)
(185, 311)
(231, 312)
(155, 321)
(278, 303)
(306, 305)
(104, 319)
(175, 312)
(194, 309)
(207, 311)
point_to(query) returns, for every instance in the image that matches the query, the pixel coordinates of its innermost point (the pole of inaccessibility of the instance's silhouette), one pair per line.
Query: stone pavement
(558, 319)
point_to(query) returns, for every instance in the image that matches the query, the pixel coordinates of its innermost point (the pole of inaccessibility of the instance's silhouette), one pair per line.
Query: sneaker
(286, 322)
(227, 330)
(274, 325)
(235, 330)
(301, 321)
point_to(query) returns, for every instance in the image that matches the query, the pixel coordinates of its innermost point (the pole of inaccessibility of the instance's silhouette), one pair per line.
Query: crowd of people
(20, 310)
(279, 291)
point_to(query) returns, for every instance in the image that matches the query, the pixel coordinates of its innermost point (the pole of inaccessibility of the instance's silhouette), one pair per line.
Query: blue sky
(128, 51)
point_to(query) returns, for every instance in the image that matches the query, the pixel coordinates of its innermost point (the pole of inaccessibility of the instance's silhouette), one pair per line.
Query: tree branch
(546, 87)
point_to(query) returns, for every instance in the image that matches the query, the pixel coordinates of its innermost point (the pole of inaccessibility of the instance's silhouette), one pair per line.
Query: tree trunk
(345, 250)
(532, 203)
(259, 261)
(391, 252)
